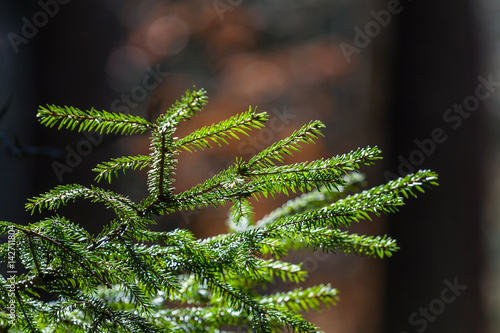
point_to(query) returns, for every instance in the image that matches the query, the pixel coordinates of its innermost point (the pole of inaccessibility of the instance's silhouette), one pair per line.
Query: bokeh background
(379, 73)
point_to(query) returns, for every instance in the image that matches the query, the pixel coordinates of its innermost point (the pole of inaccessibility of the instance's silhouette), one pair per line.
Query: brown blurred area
(285, 58)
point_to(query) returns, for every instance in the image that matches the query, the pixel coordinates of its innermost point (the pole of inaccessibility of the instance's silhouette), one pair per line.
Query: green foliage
(129, 278)
(226, 129)
(102, 121)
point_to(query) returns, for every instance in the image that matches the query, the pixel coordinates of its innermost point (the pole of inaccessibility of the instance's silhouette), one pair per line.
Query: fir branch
(239, 181)
(291, 320)
(222, 131)
(262, 314)
(378, 200)
(106, 319)
(331, 240)
(313, 200)
(306, 134)
(270, 268)
(73, 253)
(34, 255)
(214, 191)
(335, 216)
(190, 103)
(144, 270)
(240, 216)
(108, 169)
(162, 164)
(93, 120)
(62, 194)
(393, 190)
(28, 322)
(202, 319)
(304, 176)
(338, 165)
(300, 299)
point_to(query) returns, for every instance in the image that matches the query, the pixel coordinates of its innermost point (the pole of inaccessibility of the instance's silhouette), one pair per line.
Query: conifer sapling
(129, 278)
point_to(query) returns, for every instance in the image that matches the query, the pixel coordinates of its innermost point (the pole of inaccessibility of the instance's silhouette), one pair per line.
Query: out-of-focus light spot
(124, 67)
(262, 80)
(316, 62)
(228, 40)
(167, 35)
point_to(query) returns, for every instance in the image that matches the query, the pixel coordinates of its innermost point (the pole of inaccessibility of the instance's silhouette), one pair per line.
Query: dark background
(285, 57)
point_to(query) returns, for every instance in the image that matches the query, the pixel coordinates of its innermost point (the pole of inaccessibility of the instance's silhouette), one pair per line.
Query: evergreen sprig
(191, 103)
(130, 278)
(222, 131)
(113, 167)
(108, 122)
(306, 134)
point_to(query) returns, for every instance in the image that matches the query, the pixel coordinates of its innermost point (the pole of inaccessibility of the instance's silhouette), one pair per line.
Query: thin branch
(53, 241)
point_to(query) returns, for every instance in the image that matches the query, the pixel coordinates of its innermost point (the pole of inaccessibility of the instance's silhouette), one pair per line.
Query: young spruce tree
(129, 278)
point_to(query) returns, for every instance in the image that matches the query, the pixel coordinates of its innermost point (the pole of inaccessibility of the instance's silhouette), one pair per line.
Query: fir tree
(129, 278)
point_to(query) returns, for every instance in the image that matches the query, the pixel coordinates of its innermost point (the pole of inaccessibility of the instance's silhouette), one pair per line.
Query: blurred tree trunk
(436, 65)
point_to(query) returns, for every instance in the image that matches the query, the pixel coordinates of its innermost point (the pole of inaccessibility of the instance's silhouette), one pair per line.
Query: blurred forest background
(297, 60)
